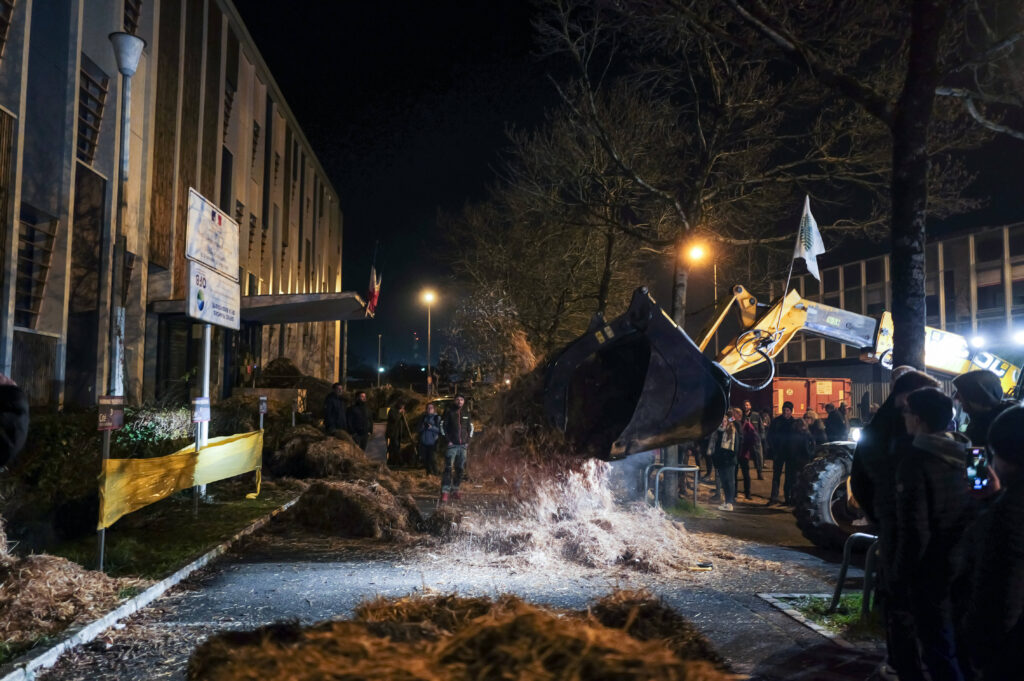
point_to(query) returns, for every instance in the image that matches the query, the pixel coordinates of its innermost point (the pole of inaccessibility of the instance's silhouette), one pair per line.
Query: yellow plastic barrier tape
(130, 484)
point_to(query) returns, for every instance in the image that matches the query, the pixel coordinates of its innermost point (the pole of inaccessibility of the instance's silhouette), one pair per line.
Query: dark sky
(406, 106)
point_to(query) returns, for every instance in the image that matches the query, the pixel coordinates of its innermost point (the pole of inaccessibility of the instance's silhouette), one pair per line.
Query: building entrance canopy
(287, 308)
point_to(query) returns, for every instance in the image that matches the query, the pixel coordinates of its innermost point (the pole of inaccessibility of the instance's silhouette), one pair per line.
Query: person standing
(932, 510)
(816, 428)
(430, 431)
(750, 450)
(457, 428)
(334, 410)
(993, 624)
(755, 420)
(723, 448)
(980, 393)
(13, 420)
(395, 433)
(801, 453)
(360, 423)
(782, 441)
(835, 426)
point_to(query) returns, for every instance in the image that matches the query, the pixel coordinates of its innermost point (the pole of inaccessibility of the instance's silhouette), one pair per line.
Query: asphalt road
(276, 576)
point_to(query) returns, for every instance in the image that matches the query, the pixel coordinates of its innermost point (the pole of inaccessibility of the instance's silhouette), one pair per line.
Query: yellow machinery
(639, 382)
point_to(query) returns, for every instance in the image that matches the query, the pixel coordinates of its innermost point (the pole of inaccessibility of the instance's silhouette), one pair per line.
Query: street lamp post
(428, 298)
(696, 254)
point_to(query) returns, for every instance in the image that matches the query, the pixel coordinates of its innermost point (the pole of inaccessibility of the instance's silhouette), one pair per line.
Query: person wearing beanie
(787, 448)
(992, 628)
(980, 393)
(933, 507)
(872, 480)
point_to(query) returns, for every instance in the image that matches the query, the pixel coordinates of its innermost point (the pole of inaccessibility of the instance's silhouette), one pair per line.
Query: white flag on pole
(808, 241)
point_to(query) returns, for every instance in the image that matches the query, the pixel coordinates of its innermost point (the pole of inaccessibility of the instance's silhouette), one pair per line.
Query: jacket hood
(944, 446)
(981, 387)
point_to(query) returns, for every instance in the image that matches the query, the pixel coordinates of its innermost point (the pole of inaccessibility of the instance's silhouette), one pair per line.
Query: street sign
(212, 297)
(211, 237)
(263, 404)
(111, 412)
(200, 409)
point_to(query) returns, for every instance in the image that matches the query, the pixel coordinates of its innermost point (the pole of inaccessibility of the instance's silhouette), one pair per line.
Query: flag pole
(785, 291)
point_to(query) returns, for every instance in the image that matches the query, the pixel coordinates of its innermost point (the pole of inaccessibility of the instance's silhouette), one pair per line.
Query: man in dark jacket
(786, 449)
(835, 426)
(395, 433)
(994, 622)
(334, 410)
(932, 510)
(457, 428)
(980, 393)
(13, 420)
(873, 482)
(360, 423)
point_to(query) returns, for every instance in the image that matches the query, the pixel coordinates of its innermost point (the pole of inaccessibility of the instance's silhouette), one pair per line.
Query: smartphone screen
(977, 468)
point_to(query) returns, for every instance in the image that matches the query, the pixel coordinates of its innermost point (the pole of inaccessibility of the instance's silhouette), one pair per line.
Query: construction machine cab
(634, 384)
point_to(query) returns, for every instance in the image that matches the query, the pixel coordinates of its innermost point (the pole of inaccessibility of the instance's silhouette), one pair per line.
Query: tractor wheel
(824, 510)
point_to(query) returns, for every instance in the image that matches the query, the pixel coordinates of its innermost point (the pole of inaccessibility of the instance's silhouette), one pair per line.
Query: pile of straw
(356, 509)
(41, 595)
(446, 637)
(306, 453)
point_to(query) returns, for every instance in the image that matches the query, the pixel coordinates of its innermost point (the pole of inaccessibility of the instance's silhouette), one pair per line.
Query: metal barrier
(647, 477)
(869, 571)
(677, 469)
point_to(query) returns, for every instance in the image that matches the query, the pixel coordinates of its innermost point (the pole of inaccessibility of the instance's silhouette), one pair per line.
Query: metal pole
(127, 50)
(430, 382)
(344, 359)
(378, 359)
(203, 427)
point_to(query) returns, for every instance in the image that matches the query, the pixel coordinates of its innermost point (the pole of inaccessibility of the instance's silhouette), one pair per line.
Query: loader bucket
(634, 384)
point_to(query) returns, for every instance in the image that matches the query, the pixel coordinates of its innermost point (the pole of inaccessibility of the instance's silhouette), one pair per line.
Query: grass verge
(845, 621)
(155, 541)
(684, 508)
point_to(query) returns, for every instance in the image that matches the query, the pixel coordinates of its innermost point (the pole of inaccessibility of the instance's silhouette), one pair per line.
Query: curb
(26, 669)
(776, 601)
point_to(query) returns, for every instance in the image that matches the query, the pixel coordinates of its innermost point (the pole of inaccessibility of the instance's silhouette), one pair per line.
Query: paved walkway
(269, 579)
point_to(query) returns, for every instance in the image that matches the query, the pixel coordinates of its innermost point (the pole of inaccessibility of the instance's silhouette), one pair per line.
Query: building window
(851, 275)
(35, 246)
(991, 294)
(93, 84)
(6, 17)
(811, 288)
(132, 15)
(830, 280)
(1017, 281)
(988, 246)
(813, 348)
(874, 271)
(229, 101)
(931, 299)
(852, 300)
(875, 298)
(1017, 240)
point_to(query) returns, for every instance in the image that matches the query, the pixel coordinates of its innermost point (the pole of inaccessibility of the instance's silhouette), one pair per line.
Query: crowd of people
(941, 479)
(454, 428)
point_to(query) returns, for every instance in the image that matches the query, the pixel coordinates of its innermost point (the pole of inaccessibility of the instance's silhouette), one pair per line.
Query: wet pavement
(275, 577)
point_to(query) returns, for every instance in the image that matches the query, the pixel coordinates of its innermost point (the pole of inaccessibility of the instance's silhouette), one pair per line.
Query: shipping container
(806, 394)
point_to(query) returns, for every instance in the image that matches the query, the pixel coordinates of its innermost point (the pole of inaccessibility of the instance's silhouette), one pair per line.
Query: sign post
(214, 293)
(111, 418)
(263, 409)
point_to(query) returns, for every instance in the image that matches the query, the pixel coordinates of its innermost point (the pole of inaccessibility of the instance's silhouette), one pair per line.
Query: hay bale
(648, 618)
(445, 637)
(350, 509)
(290, 459)
(333, 458)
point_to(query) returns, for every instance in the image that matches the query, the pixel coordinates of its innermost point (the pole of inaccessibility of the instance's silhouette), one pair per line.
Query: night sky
(406, 106)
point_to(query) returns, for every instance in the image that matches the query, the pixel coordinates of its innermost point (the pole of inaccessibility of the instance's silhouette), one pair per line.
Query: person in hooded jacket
(816, 428)
(13, 420)
(993, 624)
(430, 431)
(932, 509)
(980, 393)
(873, 482)
(723, 448)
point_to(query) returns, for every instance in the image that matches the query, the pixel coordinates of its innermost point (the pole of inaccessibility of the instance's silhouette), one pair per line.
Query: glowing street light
(1018, 337)
(696, 254)
(978, 342)
(429, 297)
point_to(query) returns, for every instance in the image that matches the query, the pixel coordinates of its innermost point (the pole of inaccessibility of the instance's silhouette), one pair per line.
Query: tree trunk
(606, 275)
(679, 279)
(910, 181)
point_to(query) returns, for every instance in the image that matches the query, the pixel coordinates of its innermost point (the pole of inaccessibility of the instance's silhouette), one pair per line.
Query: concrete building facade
(206, 114)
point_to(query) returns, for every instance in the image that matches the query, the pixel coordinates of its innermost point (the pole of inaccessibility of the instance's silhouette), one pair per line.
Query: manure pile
(448, 637)
(41, 595)
(356, 509)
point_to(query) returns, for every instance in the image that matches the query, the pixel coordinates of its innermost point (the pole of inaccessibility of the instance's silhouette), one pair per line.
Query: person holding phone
(723, 449)
(933, 507)
(992, 627)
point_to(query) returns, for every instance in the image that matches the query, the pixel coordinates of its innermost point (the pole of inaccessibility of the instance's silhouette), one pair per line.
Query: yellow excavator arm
(770, 332)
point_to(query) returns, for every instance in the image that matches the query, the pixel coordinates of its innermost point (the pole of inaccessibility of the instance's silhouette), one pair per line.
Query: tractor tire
(823, 512)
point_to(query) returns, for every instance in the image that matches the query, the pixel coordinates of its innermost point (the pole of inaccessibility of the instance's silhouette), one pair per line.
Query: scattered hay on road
(447, 637)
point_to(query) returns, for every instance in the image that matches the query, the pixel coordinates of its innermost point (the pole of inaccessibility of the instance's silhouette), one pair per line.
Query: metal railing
(869, 571)
(661, 470)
